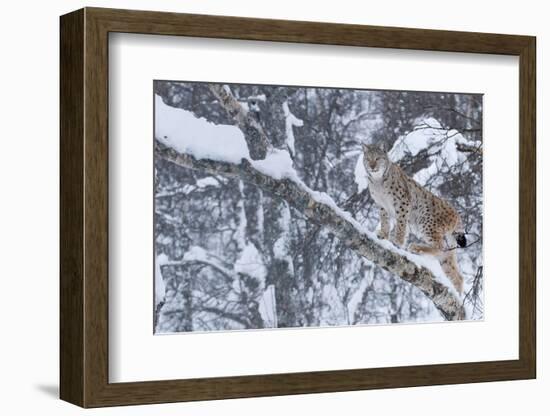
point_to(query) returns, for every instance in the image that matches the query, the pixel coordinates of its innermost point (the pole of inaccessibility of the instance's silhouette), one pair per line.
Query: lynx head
(375, 159)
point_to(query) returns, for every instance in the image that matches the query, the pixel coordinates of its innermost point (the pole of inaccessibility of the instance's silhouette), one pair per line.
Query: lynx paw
(382, 235)
(396, 242)
(413, 248)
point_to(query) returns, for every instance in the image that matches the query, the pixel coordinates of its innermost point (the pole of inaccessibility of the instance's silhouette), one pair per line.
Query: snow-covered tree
(262, 214)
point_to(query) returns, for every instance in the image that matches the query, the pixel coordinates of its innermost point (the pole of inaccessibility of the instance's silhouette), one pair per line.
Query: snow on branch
(254, 134)
(291, 121)
(321, 209)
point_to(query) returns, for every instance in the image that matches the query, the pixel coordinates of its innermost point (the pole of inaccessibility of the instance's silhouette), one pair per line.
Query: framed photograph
(256, 207)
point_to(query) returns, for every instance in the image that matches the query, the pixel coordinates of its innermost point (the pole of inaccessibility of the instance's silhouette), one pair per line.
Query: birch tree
(300, 146)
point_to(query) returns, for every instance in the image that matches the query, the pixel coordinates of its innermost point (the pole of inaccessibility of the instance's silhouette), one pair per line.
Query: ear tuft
(365, 147)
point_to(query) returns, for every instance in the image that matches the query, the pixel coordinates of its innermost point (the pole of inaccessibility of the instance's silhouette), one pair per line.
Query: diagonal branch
(322, 210)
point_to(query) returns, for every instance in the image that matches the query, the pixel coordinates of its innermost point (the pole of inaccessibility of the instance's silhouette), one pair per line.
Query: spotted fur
(409, 207)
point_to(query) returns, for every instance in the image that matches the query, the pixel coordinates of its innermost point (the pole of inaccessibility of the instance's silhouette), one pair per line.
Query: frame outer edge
(528, 208)
(71, 291)
(311, 32)
(84, 203)
(96, 209)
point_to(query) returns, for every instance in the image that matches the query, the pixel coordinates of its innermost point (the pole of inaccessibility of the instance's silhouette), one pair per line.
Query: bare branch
(465, 148)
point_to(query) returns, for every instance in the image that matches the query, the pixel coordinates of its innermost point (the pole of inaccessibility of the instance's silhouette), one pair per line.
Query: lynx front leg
(399, 232)
(384, 231)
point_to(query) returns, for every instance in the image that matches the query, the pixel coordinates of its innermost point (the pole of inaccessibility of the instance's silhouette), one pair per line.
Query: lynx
(410, 207)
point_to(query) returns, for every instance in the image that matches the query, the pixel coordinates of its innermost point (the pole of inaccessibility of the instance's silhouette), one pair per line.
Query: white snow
(185, 133)
(460, 139)
(245, 106)
(357, 296)
(427, 261)
(208, 181)
(324, 198)
(360, 174)
(160, 287)
(227, 89)
(277, 164)
(181, 130)
(291, 121)
(429, 134)
(424, 134)
(260, 213)
(259, 97)
(268, 307)
(240, 231)
(281, 249)
(195, 253)
(250, 263)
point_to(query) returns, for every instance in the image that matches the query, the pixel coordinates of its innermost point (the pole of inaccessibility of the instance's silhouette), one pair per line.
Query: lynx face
(375, 160)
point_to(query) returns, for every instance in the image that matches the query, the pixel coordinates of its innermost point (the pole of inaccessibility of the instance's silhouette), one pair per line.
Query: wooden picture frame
(84, 207)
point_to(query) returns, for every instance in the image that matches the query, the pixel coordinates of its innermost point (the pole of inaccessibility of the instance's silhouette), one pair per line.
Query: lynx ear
(365, 148)
(384, 146)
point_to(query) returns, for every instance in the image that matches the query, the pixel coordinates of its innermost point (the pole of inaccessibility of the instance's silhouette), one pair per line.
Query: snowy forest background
(231, 256)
